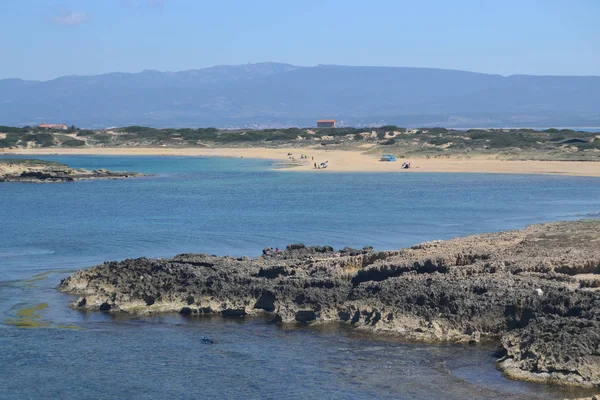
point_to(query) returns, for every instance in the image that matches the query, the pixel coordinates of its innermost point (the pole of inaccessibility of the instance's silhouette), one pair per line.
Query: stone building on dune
(60, 127)
(326, 123)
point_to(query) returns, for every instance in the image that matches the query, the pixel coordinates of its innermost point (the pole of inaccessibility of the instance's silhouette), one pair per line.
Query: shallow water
(239, 206)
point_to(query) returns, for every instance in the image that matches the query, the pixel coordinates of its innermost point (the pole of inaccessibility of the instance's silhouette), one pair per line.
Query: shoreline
(514, 286)
(344, 160)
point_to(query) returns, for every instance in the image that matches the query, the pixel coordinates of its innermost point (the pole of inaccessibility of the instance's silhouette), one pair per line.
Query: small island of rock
(31, 170)
(536, 291)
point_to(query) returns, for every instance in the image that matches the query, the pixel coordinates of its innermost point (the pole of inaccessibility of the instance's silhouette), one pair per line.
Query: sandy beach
(345, 161)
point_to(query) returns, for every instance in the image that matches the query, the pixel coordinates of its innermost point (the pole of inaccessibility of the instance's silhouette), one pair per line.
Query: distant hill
(273, 94)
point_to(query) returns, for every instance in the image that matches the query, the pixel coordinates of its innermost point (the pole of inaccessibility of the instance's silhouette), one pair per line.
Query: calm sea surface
(238, 206)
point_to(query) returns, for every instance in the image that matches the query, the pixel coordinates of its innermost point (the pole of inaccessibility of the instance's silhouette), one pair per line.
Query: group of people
(268, 251)
(302, 156)
(322, 165)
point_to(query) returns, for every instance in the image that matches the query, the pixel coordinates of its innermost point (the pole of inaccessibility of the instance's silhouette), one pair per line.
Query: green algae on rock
(29, 317)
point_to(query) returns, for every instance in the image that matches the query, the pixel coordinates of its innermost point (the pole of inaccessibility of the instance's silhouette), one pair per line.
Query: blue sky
(44, 39)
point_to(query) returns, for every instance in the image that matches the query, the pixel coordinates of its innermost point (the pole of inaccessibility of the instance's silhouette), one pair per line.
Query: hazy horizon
(284, 95)
(87, 37)
(282, 63)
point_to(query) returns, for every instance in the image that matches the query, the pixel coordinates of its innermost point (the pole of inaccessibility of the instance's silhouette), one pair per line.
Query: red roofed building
(326, 123)
(53, 126)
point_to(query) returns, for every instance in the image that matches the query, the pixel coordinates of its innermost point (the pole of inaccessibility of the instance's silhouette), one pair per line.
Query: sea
(235, 206)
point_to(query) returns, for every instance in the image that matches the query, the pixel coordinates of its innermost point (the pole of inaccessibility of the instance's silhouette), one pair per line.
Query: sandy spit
(346, 161)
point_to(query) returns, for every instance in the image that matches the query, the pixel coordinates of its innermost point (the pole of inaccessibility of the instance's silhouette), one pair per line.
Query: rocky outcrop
(532, 289)
(21, 170)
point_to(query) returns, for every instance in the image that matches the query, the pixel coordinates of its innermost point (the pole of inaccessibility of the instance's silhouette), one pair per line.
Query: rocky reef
(536, 291)
(26, 170)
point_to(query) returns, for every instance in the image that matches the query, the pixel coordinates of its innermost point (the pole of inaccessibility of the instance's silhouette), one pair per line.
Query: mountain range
(275, 94)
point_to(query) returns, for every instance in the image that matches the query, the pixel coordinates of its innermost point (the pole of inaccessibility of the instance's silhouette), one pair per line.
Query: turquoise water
(238, 206)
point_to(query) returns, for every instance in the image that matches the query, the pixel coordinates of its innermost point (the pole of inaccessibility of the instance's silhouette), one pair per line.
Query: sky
(45, 39)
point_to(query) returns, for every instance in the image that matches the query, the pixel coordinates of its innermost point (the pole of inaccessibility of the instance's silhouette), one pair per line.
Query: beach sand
(346, 161)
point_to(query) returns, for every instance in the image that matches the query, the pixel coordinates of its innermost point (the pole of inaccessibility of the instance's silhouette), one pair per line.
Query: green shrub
(73, 143)
(103, 138)
(208, 130)
(391, 128)
(436, 130)
(13, 129)
(134, 128)
(438, 141)
(595, 145)
(11, 140)
(42, 139)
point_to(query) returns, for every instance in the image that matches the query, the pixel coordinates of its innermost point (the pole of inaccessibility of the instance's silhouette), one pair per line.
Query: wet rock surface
(535, 290)
(39, 171)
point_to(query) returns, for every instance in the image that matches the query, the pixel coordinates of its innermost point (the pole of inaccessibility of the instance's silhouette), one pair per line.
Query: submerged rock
(533, 289)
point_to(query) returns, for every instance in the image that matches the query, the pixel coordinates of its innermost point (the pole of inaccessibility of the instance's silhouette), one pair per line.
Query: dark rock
(233, 313)
(277, 319)
(105, 307)
(148, 299)
(272, 272)
(305, 316)
(266, 302)
(37, 171)
(500, 353)
(300, 298)
(566, 348)
(523, 286)
(185, 311)
(344, 316)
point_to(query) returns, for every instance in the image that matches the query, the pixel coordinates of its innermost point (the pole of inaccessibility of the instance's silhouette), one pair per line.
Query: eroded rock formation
(23, 170)
(537, 290)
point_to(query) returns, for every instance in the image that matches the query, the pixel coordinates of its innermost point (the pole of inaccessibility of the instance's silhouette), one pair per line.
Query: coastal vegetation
(549, 144)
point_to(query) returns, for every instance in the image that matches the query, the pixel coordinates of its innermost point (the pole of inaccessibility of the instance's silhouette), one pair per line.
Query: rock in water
(534, 289)
(31, 170)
